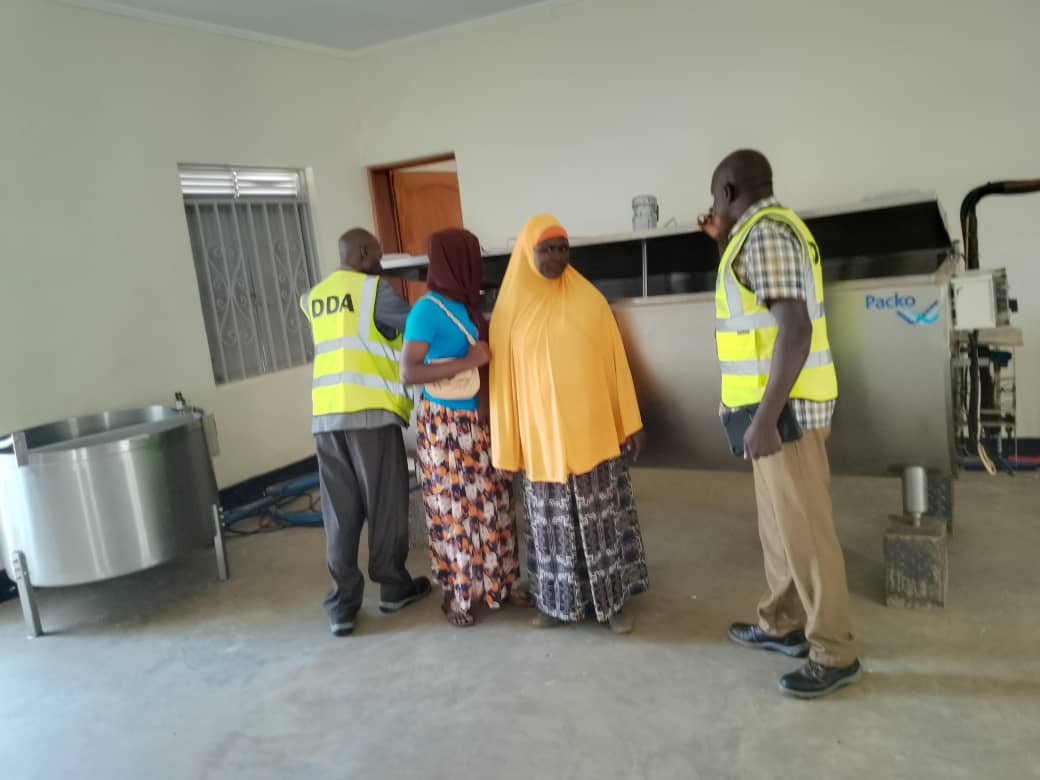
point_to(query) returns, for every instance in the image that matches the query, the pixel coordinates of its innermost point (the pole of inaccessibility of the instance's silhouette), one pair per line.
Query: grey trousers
(364, 474)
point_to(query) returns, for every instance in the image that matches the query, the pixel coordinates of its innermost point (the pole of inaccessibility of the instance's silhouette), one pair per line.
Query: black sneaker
(420, 589)
(794, 644)
(343, 627)
(815, 680)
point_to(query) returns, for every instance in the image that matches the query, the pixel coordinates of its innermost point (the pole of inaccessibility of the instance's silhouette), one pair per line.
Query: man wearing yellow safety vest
(360, 408)
(779, 391)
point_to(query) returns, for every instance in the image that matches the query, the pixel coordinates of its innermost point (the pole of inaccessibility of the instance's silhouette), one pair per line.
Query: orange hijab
(562, 397)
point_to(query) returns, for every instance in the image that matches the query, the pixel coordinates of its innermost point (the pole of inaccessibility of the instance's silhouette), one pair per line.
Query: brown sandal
(521, 597)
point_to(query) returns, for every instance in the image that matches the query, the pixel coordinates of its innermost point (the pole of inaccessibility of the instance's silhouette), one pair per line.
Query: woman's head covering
(562, 396)
(455, 271)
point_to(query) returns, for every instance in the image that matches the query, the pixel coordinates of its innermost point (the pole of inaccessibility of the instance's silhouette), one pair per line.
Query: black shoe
(343, 627)
(794, 644)
(815, 680)
(420, 589)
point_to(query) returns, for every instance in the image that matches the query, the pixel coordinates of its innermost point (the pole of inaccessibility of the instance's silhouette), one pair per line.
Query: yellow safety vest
(355, 367)
(745, 330)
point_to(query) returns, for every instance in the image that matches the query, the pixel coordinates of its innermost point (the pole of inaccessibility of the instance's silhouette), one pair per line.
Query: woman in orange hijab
(564, 413)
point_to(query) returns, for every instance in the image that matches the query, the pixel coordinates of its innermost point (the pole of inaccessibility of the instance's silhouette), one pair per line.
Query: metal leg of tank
(218, 546)
(916, 560)
(26, 594)
(940, 500)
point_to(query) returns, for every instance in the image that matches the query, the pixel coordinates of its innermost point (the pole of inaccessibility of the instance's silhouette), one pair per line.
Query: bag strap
(452, 317)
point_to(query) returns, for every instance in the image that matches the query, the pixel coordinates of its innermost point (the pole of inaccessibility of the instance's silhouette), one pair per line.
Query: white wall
(577, 106)
(99, 304)
(572, 108)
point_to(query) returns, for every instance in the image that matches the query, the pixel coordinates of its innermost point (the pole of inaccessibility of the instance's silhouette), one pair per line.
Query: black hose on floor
(8, 590)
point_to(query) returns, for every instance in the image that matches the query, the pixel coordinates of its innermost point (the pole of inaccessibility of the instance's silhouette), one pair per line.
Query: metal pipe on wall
(969, 220)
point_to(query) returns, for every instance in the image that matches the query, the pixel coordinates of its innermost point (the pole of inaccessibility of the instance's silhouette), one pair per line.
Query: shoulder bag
(462, 386)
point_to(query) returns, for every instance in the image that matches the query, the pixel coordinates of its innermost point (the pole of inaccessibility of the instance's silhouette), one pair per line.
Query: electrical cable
(280, 509)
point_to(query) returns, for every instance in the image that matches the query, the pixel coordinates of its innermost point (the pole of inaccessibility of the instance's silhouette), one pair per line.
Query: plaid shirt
(770, 265)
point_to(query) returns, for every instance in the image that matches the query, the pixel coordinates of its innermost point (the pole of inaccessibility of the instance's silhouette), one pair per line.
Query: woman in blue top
(468, 503)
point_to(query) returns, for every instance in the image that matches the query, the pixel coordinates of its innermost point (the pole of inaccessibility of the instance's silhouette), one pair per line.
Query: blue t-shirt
(428, 323)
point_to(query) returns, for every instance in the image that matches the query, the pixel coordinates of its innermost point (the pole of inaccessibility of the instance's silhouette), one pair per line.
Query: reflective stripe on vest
(746, 331)
(356, 368)
(761, 367)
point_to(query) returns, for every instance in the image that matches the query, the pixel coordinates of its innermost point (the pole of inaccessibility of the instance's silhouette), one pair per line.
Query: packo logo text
(894, 301)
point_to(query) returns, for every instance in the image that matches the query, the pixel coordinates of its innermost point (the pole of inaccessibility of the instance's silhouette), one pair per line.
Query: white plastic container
(645, 212)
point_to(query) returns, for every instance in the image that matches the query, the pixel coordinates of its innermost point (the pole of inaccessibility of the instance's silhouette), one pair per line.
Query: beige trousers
(805, 567)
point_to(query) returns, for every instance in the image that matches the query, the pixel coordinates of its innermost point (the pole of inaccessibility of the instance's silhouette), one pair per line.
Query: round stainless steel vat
(95, 497)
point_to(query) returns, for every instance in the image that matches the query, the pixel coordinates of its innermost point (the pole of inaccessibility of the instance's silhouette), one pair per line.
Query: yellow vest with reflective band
(745, 330)
(355, 367)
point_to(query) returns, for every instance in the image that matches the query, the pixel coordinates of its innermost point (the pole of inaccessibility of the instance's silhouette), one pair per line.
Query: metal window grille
(253, 245)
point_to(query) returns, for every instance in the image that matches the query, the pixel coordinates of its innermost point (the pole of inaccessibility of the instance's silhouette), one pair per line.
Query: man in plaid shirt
(805, 610)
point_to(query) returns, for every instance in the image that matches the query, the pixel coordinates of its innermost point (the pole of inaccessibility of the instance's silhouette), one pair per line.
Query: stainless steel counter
(894, 377)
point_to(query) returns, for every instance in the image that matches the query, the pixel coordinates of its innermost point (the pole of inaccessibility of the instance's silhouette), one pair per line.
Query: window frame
(252, 262)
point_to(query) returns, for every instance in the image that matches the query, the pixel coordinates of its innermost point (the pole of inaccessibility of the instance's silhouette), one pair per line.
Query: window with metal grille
(253, 245)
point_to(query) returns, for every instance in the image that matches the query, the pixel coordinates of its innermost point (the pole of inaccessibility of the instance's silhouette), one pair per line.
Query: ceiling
(343, 25)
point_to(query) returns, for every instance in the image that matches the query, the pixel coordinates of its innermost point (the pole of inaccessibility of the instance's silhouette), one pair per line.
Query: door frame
(384, 208)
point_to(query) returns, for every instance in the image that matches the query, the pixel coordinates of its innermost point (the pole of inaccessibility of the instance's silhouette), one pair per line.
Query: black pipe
(970, 222)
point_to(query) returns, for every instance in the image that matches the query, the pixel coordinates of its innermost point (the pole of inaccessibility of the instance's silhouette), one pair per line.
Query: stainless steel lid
(93, 434)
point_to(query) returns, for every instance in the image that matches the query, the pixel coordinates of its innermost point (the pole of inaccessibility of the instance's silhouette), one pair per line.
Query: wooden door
(425, 202)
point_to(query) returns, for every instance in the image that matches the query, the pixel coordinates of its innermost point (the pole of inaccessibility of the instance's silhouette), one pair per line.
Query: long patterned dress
(585, 551)
(468, 508)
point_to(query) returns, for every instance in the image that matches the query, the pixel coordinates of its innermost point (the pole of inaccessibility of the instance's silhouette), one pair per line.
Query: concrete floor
(169, 674)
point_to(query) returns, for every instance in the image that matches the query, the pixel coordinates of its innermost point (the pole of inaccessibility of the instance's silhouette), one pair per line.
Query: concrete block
(916, 563)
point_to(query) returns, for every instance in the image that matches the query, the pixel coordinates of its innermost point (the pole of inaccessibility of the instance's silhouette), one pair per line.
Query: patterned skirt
(585, 551)
(468, 508)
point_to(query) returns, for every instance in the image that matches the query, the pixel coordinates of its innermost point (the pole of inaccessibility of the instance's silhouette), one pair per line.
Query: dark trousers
(364, 474)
